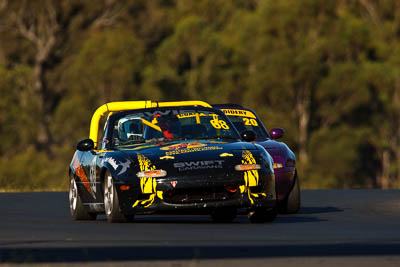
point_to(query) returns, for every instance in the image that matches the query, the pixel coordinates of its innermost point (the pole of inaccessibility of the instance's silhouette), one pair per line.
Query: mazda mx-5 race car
(287, 181)
(169, 157)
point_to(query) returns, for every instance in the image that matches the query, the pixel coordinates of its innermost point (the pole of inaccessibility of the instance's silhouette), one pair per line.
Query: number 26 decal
(250, 122)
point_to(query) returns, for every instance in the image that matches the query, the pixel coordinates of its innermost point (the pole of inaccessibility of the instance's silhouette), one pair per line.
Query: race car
(169, 157)
(287, 180)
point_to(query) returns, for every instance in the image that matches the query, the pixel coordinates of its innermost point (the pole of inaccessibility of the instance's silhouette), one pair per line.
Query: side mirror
(277, 133)
(248, 136)
(85, 145)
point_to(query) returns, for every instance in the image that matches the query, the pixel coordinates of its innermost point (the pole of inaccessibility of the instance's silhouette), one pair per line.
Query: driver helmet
(170, 125)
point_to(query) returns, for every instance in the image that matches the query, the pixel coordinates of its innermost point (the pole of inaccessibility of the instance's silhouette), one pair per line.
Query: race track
(333, 227)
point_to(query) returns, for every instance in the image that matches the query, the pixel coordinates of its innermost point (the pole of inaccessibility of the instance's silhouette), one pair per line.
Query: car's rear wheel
(111, 202)
(76, 208)
(224, 215)
(291, 204)
(262, 215)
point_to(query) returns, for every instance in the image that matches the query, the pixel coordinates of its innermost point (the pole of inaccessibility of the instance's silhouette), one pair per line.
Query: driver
(170, 126)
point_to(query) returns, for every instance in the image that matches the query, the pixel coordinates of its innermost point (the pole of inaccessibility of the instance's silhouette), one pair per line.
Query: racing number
(218, 124)
(250, 122)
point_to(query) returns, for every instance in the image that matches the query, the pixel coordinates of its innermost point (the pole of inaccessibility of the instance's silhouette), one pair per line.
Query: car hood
(277, 149)
(187, 157)
(272, 144)
(186, 149)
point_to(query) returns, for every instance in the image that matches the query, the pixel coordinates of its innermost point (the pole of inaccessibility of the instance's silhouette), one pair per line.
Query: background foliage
(326, 71)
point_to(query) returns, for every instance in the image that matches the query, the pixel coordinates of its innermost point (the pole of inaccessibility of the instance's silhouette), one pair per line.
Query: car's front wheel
(76, 208)
(111, 202)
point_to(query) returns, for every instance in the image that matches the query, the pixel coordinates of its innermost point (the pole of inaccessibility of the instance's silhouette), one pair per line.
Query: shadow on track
(297, 219)
(314, 210)
(139, 253)
(241, 219)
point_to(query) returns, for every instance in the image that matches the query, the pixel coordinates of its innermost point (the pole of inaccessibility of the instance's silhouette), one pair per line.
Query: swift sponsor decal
(238, 112)
(199, 165)
(148, 185)
(251, 177)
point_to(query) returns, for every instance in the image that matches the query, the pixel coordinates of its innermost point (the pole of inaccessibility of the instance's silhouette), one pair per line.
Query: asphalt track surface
(333, 227)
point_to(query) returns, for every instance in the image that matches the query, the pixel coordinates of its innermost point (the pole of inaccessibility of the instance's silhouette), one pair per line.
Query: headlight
(278, 165)
(247, 167)
(152, 173)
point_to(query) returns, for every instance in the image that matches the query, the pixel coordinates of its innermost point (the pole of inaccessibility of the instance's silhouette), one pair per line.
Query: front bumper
(199, 194)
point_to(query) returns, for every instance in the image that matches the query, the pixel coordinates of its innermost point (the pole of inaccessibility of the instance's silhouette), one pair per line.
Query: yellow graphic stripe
(251, 178)
(148, 185)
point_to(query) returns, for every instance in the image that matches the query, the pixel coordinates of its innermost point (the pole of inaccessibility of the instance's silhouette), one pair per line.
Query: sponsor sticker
(190, 150)
(190, 115)
(239, 112)
(183, 145)
(112, 162)
(125, 165)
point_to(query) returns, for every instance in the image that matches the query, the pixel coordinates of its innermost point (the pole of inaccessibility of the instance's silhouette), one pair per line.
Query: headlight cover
(152, 173)
(247, 167)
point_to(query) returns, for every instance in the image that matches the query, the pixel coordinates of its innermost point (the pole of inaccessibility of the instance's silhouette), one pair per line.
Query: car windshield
(171, 124)
(246, 120)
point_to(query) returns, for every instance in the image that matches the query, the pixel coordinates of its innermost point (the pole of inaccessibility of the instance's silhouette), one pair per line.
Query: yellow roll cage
(130, 105)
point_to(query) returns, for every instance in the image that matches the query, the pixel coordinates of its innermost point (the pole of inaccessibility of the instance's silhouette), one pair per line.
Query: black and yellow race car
(169, 157)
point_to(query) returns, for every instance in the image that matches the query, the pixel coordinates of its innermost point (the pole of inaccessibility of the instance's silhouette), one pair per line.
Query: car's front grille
(198, 195)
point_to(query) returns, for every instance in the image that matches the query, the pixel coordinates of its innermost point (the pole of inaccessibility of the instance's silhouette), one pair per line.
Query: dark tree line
(326, 71)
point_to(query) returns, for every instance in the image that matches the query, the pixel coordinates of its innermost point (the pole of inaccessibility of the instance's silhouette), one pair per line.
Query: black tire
(224, 215)
(76, 208)
(262, 215)
(111, 202)
(291, 204)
